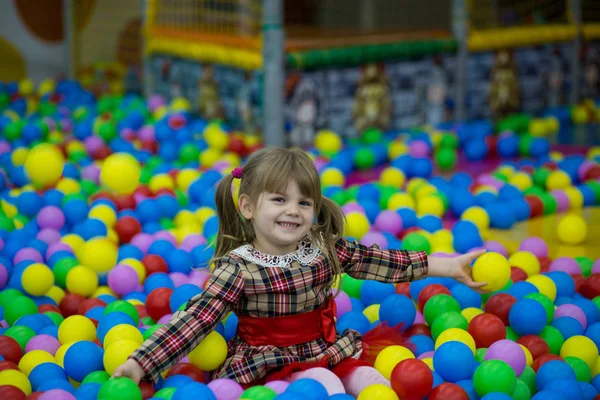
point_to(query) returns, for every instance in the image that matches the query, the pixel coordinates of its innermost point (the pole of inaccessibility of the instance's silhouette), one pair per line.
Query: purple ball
(165, 235)
(128, 134)
(571, 310)
(372, 237)
(495, 246)
(93, 143)
(156, 101)
(419, 148)
(3, 276)
(427, 354)
(142, 241)
(56, 394)
(55, 247)
(51, 217)
(1, 244)
(43, 342)
(320, 164)
(596, 267)
(419, 318)
(535, 245)
(192, 241)
(225, 389)
(198, 279)
(5, 147)
(278, 386)
(562, 200)
(123, 279)
(179, 278)
(49, 236)
(91, 172)
(584, 168)
(66, 125)
(388, 221)
(28, 253)
(509, 352)
(565, 264)
(164, 319)
(343, 303)
(352, 207)
(146, 133)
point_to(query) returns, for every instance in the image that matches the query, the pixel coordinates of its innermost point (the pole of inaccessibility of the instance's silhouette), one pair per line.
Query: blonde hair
(269, 170)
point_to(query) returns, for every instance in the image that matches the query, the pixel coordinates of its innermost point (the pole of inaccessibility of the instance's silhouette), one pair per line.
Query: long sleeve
(187, 328)
(389, 266)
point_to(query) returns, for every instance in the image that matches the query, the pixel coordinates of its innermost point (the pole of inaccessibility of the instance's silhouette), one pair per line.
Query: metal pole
(460, 30)
(69, 38)
(575, 6)
(274, 72)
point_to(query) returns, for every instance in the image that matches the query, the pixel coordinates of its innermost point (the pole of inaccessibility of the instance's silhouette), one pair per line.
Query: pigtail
(329, 229)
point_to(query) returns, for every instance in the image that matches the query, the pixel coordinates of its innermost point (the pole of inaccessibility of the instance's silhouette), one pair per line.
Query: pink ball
(55, 247)
(5, 147)
(142, 241)
(3, 276)
(43, 342)
(178, 278)
(1, 244)
(278, 386)
(165, 235)
(565, 264)
(352, 207)
(419, 148)
(49, 235)
(123, 279)
(571, 310)
(495, 246)
(509, 352)
(28, 253)
(51, 217)
(419, 318)
(91, 172)
(66, 125)
(320, 164)
(156, 101)
(388, 221)
(562, 200)
(92, 144)
(343, 303)
(596, 267)
(56, 394)
(535, 245)
(427, 354)
(226, 389)
(199, 278)
(165, 319)
(584, 168)
(192, 241)
(372, 237)
(146, 133)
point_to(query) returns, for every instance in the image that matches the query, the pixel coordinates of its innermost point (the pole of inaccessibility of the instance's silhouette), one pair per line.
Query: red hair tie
(237, 172)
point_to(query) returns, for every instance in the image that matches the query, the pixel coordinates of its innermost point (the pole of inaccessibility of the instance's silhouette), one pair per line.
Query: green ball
(500, 176)
(438, 305)
(55, 317)
(511, 334)
(148, 332)
(582, 370)
(585, 264)
(181, 197)
(351, 286)
(546, 302)
(167, 223)
(22, 334)
(414, 241)
(385, 193)
(371, 136)
(20, 218)
(352, 193)
(188, 153)
(19, 307)
(540, 176)
(445, 159)
(554, 338)
(164, 394)
(154, 162)
(364, 159)
(596, 301)
(6, 223)
(125, 389)
(522, 391)
(494, 376)
(4, 100)
(525, 145)
(124, 307)
(549, 203)
(449, 141)
(148, 321)
(88, 187)
(61, 269)
(77, 156)
(595, 186)
(12, 131)
(480, 354)
(528, 377)
(259, 393)
(450, 319)
(533, 191)
(96, 377)
(8, 295)
(145, 176)
(339, 197)
(107, 131)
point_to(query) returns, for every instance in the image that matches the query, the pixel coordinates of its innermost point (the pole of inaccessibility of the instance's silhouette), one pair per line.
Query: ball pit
(106, 207)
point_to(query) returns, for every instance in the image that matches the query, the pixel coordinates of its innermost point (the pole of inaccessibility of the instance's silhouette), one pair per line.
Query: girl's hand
(458, 268)
(130, 369)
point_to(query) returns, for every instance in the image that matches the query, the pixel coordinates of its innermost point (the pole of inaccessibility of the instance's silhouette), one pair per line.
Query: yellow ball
(120, 173)
(471, 312)
(492, 268)
(593, 152)
(103, 290)
(34, 358)
(100, 254)
(76, 328)
(105, 214)
(44, 165)
(332, 177)
(442, 237)
(544, 284)
(423, 191)
(26, 87)
(328, 142)
(575, 197)
(400, 200)
(506, 170)
(215, 137)
(571, 230)
(11, 377)
(377, 391)
(552, 124)
(389, 357)
(73, 241)
(137, 266)
(528, 356)
(396, 149)
(372, 312)
(56, 293)
(558, 180)
(521, 180)
(429, 362)
(414, 184)
(9, 209)
(46, 87)
(210, 353)
(180, 104)
(538, 128)
(581, 347)
(478, 216)
(204, 213)
(209, 157)
(357, 224)
(392, 177)
(122, 332)
(185, 217)
(186, 177)
(19, 156)
(37, 279)
(117, 353)
(68, 186)
(82, 281)
(456, 335)
(432, 205)
(525, 260)
(579, 115)
(161, 181)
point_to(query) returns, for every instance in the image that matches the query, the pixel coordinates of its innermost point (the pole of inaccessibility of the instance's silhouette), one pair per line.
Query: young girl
(276, 261)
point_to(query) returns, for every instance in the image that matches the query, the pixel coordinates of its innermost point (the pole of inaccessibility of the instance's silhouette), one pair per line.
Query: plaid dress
(251, 283)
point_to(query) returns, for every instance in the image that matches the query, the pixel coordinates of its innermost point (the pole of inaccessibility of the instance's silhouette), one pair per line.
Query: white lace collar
(305, 255)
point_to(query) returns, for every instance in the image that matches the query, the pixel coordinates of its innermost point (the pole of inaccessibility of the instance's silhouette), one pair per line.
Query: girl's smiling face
(280, 220)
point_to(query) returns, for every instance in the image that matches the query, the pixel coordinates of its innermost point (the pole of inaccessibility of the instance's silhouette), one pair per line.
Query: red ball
(102, 153)
(499, 305)
(150, 145)
(517, 274)
(590, 287)
(143, 190)
(10, 349)
(176, 121)
(43, 308)
(448, 391)
(34, 396)
(535, 344)
(154, 263)
(4, 365)
(429, 291)
(405, 232)
(528, 169)
(403, 288)
(141, 309)
(579, 280)
(127, 227)
(8, 392)
(236, 145)
(147, 390)
(124, 202)
(411, 379)
(592, 174)
(70, 303)
(543, 359)
(545, 264)
(164, 191)
(101, 196)
(550, 165)
(187, 369)
(418, 329)
(536, 206)
(88, 304)
(157, 303)
(486, 329)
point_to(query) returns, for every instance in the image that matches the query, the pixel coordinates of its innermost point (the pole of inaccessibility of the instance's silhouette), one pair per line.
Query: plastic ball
(11, 377)
(82, 281)
(120, 388)
(581, 347)
(357, 225)
(308, 388)
(328, 142)
(37, 279)
(572, 230)
(527, 317)
(448, 390)
(117, 354)
(486, 329)
(377, 391)
(454, 361)
(544, 284)
(120, 173)
(210, 353)
(99, 254)
(44, 165)
(81, 359)
(492, 268)
(411, 378)
(76, 328)
(509, 352)
(389, 357)
(456, 334)
(34, 358)
(494, 376)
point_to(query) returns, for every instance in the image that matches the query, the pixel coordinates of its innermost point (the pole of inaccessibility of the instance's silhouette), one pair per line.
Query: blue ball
(83, 358)
(593, 332)
(95, 313)
(354, 320)
(148, 211)
(469, 387)
(289, 396)
(90, 228)
(422, 343)
(368, 192)
(341, 396)
(372, 210)
(527, 317)
(420, 167)
(168, 206)
(409, 217)
(508, 146)
(465, 296)
(430, 223)
(29, 203)
(46, 372)
(437, 379)
(310, 388)
(373, 292)
(182, 295)
(50, 331)
(553, 371)
(589, 391)
(357, 305)
(202, 255)
(571, 389)
(396, 309)
(130, 251)
(36, 322)
(110, 320)
(76, 211)
(211, 226)
(521, 289)
(496, 396)
(158, 280)
(161, 247)
(565, 285)
(87, 391)
(596, 382)
(501, 217)
(179, 261)
(453, 361)
(589, 308)
(176, 381)
(193, 390)
(231, 324)
(568, 327)
(56, 384)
